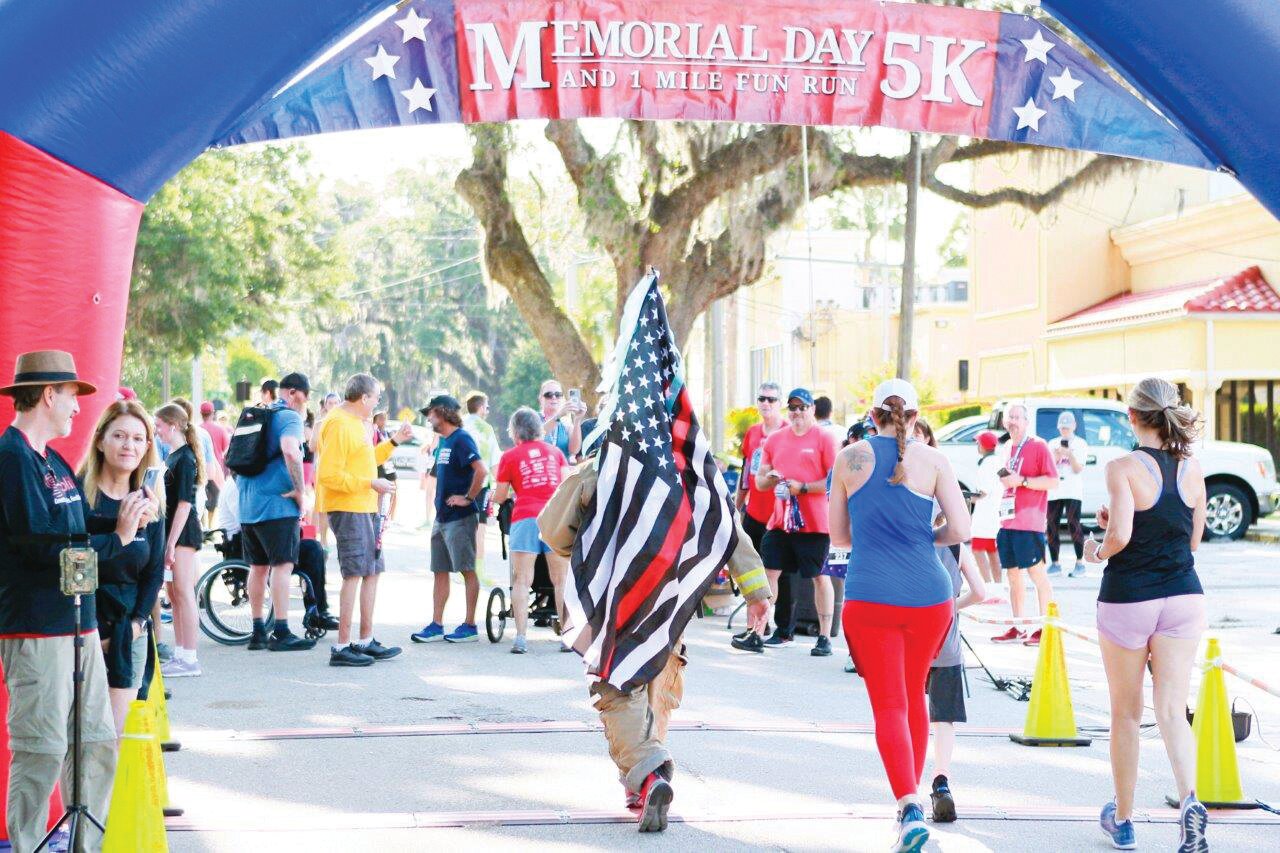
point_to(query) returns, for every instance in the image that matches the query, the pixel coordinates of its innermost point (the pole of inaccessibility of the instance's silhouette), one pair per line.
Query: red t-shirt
(534, 469)
(759, 501)
(1030, 506)
(801, 458)
(218, 437)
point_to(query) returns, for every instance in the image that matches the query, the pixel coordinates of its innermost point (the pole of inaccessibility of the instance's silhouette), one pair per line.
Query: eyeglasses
(763, 399)
(797, 407)
(552, 395)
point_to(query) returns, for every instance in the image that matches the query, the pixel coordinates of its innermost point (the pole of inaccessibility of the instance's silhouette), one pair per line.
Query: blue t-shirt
(561, 439)
(453, 474)
(261, 495)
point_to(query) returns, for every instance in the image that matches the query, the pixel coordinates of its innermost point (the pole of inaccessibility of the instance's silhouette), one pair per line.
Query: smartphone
(150, 478)
(1065, 443)
(575, 395)
(1003, 472)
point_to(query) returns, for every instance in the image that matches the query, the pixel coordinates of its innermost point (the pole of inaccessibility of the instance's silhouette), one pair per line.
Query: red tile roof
(1245, 292)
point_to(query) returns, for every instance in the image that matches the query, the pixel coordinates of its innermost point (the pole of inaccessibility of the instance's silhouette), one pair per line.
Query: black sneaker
(327, 621)
(289, 643)
(822, 648)
(749, 642)
(777, 640)
(377, 651)
(944, 807)
(257, 641)
(348, 656)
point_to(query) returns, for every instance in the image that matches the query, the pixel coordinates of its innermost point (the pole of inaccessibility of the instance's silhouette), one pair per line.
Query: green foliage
(954, 250)
(955, 413)
(737, 422)
(863, 387)
(245, 363)
(220, 246)
(526, 371)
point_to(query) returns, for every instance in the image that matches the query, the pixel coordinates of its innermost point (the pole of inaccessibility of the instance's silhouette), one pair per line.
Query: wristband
(804, 488)
(394, 443)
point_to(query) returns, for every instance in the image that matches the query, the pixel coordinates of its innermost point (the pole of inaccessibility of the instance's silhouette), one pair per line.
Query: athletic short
(1020, 549)
(356, 534)
(271, 543)
(946, 694)
(453, 545)
(755, 530)
(526, 538)
(1133, 624)
(211, 492)
(978, 543)
(803, 553)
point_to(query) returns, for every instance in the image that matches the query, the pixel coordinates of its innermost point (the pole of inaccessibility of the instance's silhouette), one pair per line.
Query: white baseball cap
(896, 388)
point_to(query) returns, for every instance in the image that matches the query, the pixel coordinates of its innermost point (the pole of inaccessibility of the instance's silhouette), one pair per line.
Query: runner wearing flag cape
(648, 523)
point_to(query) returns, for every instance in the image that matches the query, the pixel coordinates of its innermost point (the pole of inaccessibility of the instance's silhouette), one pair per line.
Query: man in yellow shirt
(348, 488)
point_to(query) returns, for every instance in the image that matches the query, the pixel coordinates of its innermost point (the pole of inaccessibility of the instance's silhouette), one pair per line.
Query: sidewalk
(1266, 530)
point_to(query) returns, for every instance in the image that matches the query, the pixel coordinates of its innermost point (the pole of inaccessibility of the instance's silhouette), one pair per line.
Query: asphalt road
(797, 769)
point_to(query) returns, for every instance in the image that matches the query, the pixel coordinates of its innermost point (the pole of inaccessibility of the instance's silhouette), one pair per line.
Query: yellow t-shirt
(348, 464)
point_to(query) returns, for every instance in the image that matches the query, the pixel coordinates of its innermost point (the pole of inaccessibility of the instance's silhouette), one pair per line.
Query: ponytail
(174, 415)
(898, 418)
(1156, 405)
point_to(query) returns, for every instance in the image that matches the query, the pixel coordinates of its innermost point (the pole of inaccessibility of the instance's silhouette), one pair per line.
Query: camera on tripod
(79, 571)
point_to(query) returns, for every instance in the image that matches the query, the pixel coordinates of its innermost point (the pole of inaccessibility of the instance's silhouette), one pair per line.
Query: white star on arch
(383, 63)
(413, 26)
(1029, 115)
(419, 96)
(1037, 48)
(1064, 85)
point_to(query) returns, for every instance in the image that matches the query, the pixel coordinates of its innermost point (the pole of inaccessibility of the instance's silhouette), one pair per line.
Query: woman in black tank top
(1151, 604)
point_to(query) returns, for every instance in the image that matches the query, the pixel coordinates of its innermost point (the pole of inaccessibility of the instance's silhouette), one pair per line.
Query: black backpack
(248, 453)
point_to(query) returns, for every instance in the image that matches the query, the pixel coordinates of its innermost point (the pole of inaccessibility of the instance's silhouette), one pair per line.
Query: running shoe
(376, 650)
(1055, 568)
(822, 648)
(633, 801)
(1033, 640)
(777, 640)
(164, 651)
(565, 648)
(348, 656)
(749, 642)
(912, 831)
(849, 666)
(1121, 834)
(1013, 635)
(258, 641)
(519, 646)
(944, 807)
(433, 633)
(1078, 570)
(1193, 819)
(464, 633)
(655, 799)
(180, 669)
(290, 642)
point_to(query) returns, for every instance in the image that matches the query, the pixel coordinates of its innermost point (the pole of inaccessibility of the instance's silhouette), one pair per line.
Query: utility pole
(906, 313)
(718, 356)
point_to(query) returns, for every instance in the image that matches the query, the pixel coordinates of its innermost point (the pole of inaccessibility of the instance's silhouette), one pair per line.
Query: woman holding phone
(1151, 604)
(183, 537)
(119, 471)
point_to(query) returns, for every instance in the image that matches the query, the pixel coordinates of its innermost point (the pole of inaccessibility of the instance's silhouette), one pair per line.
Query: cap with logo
(46, 367)
(441, 401)
(1067, 419)
(896, 388)
(296, 381)
(801, 394)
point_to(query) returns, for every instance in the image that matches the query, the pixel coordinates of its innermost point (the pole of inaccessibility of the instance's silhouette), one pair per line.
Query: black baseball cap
(297, 382)
(441, 401)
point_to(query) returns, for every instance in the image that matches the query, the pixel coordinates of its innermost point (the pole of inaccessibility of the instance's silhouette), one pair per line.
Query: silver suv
(1241, 478)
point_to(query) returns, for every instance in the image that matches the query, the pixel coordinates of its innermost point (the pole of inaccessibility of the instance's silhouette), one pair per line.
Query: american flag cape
(660, 526)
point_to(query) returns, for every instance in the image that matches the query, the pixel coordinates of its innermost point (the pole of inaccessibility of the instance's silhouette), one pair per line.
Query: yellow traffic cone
(135, 823)
(1217, 773)
(1050, 718)
(155, 696)
(169, 809)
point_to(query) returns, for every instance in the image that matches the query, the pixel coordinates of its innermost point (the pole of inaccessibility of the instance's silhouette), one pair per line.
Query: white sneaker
(180, 669)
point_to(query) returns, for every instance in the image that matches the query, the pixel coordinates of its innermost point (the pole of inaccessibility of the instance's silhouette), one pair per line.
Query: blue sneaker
(1055, 568)
(464, 633)
(1121, 834)
(1193, 820)
(433, 633)
(912, 830)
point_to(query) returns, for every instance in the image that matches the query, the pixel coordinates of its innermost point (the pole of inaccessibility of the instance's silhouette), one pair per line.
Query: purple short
(1133, 625)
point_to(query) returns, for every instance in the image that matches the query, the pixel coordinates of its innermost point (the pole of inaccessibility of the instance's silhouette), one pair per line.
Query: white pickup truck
(1241, 477)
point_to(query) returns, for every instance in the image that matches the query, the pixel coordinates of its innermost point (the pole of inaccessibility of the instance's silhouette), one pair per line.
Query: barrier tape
(1249, 679)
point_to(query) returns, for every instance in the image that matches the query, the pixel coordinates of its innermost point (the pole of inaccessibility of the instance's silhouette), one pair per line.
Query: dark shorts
(1020, 549)
(946, 694)
(482, 501)
(356, 534)
(191, 535)
(271, 543)
(803, 553)
(211, 492)
(755, 530)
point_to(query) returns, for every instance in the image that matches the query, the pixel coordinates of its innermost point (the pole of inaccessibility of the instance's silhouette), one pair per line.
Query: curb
(1268, 537)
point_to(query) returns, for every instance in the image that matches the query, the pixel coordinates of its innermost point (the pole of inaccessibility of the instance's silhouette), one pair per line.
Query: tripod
(76, 810)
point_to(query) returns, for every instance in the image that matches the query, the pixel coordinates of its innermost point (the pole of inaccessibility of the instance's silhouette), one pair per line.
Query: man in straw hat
(42, 512)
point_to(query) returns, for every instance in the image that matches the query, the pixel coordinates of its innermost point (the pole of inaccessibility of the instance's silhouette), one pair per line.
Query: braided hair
(892, 418)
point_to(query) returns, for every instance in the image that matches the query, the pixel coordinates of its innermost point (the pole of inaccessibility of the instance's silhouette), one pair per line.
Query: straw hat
(46, 367)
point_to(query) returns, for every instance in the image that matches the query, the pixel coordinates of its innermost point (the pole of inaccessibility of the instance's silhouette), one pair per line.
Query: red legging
(893, 648)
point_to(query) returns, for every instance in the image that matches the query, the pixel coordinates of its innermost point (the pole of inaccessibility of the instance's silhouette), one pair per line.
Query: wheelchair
(222, 597)
(542, 593)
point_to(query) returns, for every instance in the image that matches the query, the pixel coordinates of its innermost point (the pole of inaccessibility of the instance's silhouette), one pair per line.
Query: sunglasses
(552, 395)
(797, 407)
(763, 399)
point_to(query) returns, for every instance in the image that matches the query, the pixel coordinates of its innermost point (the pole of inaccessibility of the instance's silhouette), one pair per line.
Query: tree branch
(1092, 172)
(460, 367)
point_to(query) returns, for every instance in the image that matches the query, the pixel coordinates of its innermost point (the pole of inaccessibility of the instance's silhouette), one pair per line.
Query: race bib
(755, 460)
(1008, 505)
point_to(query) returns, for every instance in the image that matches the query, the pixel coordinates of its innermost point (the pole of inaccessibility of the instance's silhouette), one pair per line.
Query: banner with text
(860, 62)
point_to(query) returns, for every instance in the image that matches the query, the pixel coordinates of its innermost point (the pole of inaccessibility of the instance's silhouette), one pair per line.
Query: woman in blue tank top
(1151, 604)
(898, 596)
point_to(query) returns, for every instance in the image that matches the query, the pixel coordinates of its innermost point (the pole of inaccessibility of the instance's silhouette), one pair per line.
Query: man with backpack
(266, 452)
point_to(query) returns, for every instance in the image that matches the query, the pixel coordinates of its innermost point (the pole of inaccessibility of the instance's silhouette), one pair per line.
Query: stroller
(542, 594)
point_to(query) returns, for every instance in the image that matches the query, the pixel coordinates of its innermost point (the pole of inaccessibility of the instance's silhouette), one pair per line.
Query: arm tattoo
(861, 459)
(294, 467)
